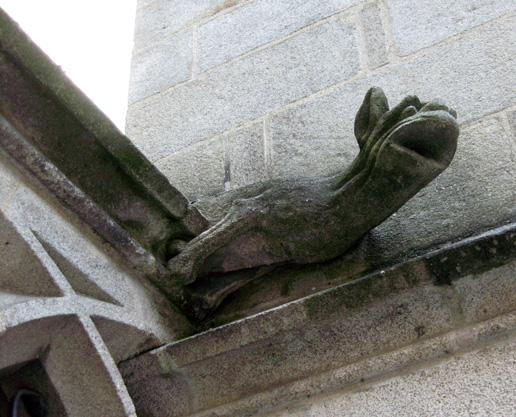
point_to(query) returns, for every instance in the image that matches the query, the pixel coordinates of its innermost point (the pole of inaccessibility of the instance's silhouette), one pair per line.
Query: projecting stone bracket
(311, 220)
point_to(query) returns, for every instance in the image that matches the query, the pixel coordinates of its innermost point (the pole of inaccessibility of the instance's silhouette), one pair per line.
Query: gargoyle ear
(374, 106)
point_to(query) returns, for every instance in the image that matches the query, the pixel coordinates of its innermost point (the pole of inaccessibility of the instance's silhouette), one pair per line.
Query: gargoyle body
(305, 220)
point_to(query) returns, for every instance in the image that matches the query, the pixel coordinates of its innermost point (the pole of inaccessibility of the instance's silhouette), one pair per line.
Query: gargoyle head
(413, 140)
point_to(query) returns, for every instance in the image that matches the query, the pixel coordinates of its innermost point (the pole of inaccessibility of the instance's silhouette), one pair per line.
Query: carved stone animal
(305, 220)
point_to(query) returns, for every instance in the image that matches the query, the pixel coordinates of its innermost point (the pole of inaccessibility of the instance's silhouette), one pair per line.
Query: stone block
(161, 65)
(247, 156)
(244, 89)
(488, 294)
(197, 172)
(88, 272)
(77, 349)
(374, 35)
(235, 336)
(42, 259)
(459, 73)
(159, 19)
(343, 337)
(512, 123)
(416, 25)
(478, 383)
(312, 140)
(21, 271)
(257, 23)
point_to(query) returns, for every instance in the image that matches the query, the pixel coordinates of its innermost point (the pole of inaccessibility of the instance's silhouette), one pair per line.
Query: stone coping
(64, 142)
(411, 312)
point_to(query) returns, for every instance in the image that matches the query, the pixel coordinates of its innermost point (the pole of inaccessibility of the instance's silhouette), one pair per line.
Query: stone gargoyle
(306, 220)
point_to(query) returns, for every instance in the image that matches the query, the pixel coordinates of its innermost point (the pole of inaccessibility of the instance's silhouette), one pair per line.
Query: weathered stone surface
(158, 19)
(445, 265)
(374, 35)
(247, 156)
(450, 388)
(199, 172)
(342, 337)
(45, 230)
(307, 141)
(21, 271)
(57, 276)
(257, 23)
(357, 376)
(480, 61)
(489, 294)
(221, 99)
(74, 347)
(389, 312)
(512, 123)
(8, 181)
(477, 190)
(416, 25)
(316, 219)
(161, 65)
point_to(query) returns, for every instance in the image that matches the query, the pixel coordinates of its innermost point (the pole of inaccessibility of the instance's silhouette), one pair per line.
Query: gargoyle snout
(431, 133)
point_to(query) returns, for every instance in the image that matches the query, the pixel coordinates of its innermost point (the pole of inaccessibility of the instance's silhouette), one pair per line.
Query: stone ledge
(384, 312)
(373, 370)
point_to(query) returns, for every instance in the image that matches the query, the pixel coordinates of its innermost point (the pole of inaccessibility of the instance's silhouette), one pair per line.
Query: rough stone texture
(347, 338)
(391, 332)
(325, 119)
(416, 25)
(42, 228)
(367, 330)
(257, 23)
(72, 347)
(374, 35)
(512, 123)
(475, 191)
(158, 19)
(336, 338)
(244, 89)
(198, 171)
(440, 390)
(55, 277)
(161, 65)
(66, 295)
(7, 182)
(21, 271)
(488, 295)
(484, 60)
(306, 141)
(247, 156)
